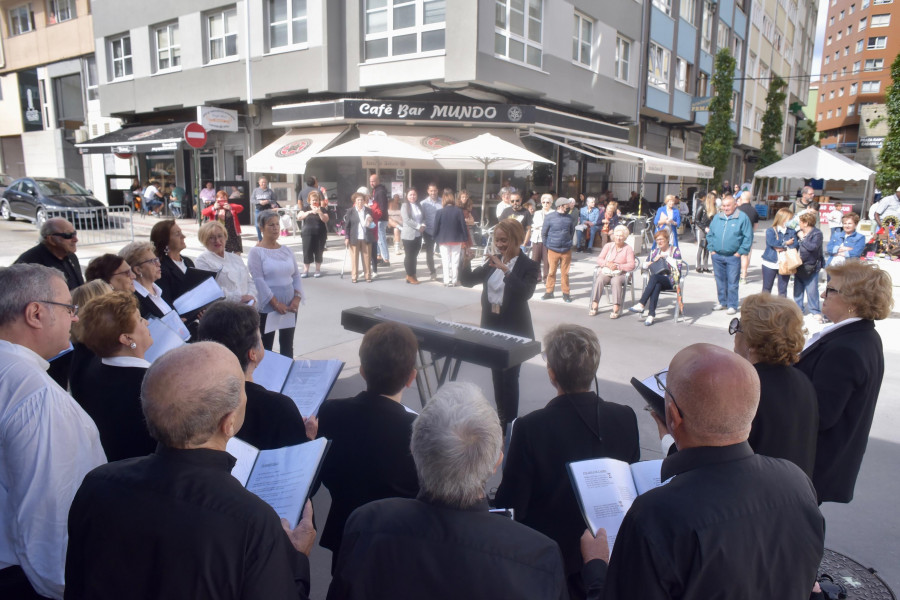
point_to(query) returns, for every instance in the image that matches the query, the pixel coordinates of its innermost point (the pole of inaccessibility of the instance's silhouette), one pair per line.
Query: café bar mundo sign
(437, 112)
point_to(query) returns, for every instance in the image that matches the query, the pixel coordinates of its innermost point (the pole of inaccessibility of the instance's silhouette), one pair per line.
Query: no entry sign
(195, 135)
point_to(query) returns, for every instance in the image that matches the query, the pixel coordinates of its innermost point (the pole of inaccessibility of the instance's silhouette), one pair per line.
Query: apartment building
(781, 39)
(49, 90)
(861, 41)
(540, 71)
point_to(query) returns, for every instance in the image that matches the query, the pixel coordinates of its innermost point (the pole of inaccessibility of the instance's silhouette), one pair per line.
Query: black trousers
(428, 244)
(411, 255)
(506, 394)
(14, 585)
(285, 338)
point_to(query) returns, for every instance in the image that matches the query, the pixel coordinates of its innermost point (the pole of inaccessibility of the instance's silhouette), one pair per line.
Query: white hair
(456, 443)
(22, 284)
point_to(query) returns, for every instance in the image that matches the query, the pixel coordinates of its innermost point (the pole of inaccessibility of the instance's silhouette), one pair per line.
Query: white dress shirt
(155, 297)
(47, 445)
(232, 274)
(125, 361)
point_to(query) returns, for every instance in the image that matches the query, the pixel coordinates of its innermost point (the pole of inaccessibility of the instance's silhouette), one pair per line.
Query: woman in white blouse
(232, 274)
(277, 278)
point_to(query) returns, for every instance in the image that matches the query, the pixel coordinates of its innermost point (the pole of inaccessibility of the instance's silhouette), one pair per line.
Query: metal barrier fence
(99, 224)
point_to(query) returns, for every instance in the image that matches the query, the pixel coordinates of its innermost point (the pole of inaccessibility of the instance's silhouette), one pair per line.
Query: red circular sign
(293, 148)
(195, 135)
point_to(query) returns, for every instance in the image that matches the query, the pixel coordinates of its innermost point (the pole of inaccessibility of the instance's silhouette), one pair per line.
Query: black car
(36, 199)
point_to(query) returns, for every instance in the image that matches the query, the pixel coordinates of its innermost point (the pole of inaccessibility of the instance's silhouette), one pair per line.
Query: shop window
(403, 27)
(518, 30)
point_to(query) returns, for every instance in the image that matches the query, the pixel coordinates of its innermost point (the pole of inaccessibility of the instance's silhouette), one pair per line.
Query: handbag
(660, 267)
(789, 261)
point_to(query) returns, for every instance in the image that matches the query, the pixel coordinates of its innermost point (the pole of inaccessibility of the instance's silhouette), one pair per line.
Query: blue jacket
(730, 235)
(855, 241)
(777, 240)
(676, 214)
(811, 249)
(589, 214)
(557, 232)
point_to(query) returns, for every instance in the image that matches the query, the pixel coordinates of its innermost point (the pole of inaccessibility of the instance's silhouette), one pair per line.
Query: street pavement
(866, 529)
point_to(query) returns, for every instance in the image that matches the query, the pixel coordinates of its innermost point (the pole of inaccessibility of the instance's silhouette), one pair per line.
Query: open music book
(200, 296)
(164, 339)
(605, 489)
(306, 382)
(281, 477)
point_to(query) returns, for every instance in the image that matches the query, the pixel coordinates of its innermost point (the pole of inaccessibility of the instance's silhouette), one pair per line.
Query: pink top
(623, 257)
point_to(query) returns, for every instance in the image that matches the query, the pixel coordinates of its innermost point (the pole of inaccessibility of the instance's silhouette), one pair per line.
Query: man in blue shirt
(588, 217)
(730, 236)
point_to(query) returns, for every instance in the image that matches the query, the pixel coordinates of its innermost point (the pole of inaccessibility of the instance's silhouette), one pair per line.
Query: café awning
(290, 153)
(134, 140)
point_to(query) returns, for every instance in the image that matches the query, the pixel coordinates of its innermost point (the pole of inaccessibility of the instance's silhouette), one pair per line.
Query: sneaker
(567, 298)
(731, 311)
(718, 307)
(743, 280)
(649, 321)
(547, 296)
(636, 308)
(434, 277)
(304, 275)
(645, 314)
(317, 275)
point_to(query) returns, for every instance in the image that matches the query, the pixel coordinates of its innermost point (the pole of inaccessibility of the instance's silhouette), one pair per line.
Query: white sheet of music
(246, 457)
(607, 490)
(272, 370)
(198, 297)
(276, 321)
(164, 339)
(309, 382)
(173, 320)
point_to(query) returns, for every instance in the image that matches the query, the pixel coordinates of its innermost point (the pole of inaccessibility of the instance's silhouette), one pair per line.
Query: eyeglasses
(661, 384)
(735, 326)
(66, 236)
(123, 272)
(830, 290)
(153, 260)
(71, 308)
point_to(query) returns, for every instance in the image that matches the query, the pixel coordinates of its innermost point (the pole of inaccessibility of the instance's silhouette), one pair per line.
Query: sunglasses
(65, 236)
(830, 290)
(735, 326)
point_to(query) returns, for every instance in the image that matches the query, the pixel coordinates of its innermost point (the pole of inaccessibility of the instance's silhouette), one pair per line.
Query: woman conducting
(770, 334)
(278, 284)
(109, 388)
(232, 274)
(845, 363)
(509, 278)
(615, 262)
(779, 237)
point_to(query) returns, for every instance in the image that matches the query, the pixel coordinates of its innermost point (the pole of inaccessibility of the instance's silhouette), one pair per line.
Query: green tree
(718, 137)
(806, 134)
(773, 122)
(888, 176)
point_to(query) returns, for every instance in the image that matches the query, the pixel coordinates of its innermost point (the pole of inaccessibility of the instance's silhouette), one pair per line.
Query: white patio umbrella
(377, 145)
(485, 152)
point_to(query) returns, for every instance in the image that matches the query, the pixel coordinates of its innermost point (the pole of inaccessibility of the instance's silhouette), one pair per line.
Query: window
(221, 32)
(831, 95)
(877, 43)
(120, 51)
(90, 77)
(854, 87)
(851, 109)
(840, 34)
(877, 2)
(687, 10)
(768, 27)
(820, 117)
(841, 93)
(846, 50)
(517, 30)
(837, 113)
(881, 20)
(60, 10)
(828, 59)
(722, 36)
(828, 114)
(21, 20)
(168, 49)
(757, 120)
(748, 110)
(751, 64)
(849, 29)
(737, 49)
(828, 41)
(856, 66)
(822, 97)
(68, 100)
(859, 47)
(623, 58)
(287, 22)
(703, 84)
(863, 23)
(763, 73)
(735, 106)
(864, 5)
(706, 27)
(874, 64)
(663, 5)
(837, 55)
(843, 71)
(871, 87)
(852, 9)
(582, 39)
(841, 18)
(682, 75)
(401, 27)
(831, 21)
(658, 71)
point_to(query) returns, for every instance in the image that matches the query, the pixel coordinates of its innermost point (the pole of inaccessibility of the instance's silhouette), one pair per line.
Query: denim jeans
(809, 287)
(579, 237)
(769, 278)
(727, 272)
(382, 241)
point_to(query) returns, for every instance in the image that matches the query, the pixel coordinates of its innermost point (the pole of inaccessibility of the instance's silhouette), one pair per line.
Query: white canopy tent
(817, 163)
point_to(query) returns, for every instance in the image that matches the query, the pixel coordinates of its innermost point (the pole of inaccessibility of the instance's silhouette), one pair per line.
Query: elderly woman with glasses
(113, 270)
(770, 335)
(146, 268)
(845, 363)
(232, 274)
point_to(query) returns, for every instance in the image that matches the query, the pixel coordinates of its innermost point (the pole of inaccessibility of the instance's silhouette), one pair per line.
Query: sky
(820, 39)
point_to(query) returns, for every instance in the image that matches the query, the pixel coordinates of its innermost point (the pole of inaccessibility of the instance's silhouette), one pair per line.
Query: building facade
(861, 41)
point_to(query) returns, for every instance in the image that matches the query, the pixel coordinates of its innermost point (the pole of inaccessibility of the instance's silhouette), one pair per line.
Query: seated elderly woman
(272, 419)
(109, 388)
(847, 244)
(664, 265)
(770, 334)
(233, 275)
(112, 269)
(615, 262)
(575, 425)
(81, 355)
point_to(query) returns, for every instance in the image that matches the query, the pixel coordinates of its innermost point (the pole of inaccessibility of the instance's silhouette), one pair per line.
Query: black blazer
(846, 367)
(173, 282)
(351, 223)
(787, 420)
(369, 458)
(514, 316)
(112, 398)
(450, 226)
(535, 481)
(272, 420)
(148, 308)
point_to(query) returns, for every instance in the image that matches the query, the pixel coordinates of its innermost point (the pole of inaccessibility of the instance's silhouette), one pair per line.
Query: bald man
(56, 249)
(731, 523)
(177, 524)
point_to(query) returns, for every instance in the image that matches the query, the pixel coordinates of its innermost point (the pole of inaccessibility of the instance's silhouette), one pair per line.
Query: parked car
(32, 198)
(5, 180)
